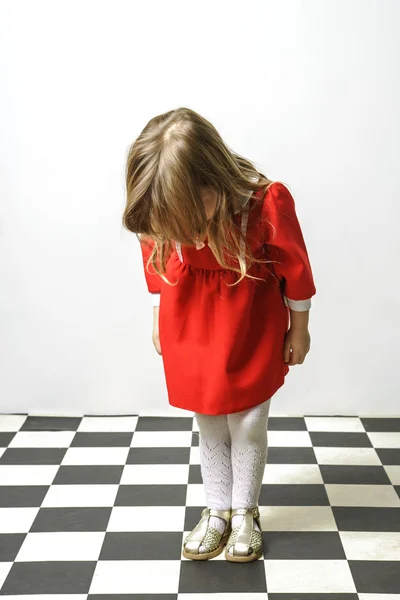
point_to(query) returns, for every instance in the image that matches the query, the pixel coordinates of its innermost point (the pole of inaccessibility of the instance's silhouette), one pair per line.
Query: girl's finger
(295, 357)
(286, 352)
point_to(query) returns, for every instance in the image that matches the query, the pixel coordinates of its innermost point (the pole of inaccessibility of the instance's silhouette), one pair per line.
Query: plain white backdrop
(309, 90)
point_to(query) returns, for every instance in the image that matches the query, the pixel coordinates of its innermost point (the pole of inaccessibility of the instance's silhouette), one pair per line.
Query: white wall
(310, 90)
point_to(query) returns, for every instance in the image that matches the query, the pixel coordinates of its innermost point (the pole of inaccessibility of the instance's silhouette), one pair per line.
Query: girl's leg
(215, 464)
(248, 431)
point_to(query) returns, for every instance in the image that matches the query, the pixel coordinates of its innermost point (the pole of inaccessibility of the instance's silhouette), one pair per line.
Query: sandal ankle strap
(244, 511)
(222, 514)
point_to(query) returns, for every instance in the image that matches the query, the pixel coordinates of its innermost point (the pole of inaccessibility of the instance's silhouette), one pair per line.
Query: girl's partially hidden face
(209, 197)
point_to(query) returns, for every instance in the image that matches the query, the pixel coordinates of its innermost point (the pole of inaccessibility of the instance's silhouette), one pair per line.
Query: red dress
(222, 347)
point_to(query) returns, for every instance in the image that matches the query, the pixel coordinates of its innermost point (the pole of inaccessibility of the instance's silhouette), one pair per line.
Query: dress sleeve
(286, 246)
(153, 280)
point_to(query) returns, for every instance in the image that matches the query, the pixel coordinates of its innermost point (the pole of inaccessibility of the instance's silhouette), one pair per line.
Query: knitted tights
(233, 453)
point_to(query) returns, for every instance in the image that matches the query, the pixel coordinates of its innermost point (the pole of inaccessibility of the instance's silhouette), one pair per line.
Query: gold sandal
(203, 535)
(245, 539)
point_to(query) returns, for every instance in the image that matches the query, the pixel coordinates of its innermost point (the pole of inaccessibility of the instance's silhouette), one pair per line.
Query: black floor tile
(195, 474)
(137, 597)
(51, 424)
(49, 578)
(151, 456)
(151, 495)
(317, 545)
(142, 546)
(195, 438)
(389, 456)
(291, 456)
(293, 495)
(72, 519)
(221, 576)
(101, 439)
(286, 424)
(312, 596)
(6, 437)
(164, 424)
(376, 577)
(381, 424)
(22, 495)
(340, 439)
(82, 474)
(349, 474)
(192, 517)
(33, 456)
(361, 518)
(10, 543)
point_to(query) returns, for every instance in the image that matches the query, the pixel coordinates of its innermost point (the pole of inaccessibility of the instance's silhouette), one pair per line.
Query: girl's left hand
(297, 345)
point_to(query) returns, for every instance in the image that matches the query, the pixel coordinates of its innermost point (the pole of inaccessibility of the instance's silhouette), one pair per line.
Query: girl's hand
(156, 335)
(297, 340)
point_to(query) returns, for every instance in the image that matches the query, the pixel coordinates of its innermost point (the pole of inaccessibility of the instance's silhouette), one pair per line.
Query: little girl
(231, 282)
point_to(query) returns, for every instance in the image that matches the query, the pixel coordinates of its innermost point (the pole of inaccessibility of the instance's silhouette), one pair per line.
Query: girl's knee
(211, 423)
(251, 424)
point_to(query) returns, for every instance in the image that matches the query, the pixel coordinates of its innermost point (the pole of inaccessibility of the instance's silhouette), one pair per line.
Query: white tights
(233, 452)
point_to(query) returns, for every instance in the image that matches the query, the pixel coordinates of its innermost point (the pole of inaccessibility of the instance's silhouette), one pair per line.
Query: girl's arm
(153, 282)
(292, 266)
(297, 340)
(156, 334)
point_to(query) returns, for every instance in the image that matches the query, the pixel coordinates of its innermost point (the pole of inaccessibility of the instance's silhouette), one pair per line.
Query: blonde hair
(176, 154)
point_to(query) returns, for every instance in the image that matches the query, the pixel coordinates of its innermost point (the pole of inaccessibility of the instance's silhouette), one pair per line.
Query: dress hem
(243, 406)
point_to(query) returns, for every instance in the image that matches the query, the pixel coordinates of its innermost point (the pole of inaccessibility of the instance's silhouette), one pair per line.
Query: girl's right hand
(156, 335)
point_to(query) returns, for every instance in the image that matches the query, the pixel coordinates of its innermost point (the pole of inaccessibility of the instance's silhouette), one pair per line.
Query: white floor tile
(4, 571)
(2, 450)
(296, 474)
(42, 439)
(11, 422)
(155, 474)
(390, 439)
(46, 597)
(346, 456)
(27, 474)
(292, 439)
(64, 545)
(309, 576)
(95, 456)
(196, 495)
(194, 455)
(374, 597)
(366, 545)
(136, 577)
(108, 424)
(393, 472)
(338, 424)
(147, 518)
(297, 518)
(80, 495)
(161, 439)
(17, 519)
(362, 495)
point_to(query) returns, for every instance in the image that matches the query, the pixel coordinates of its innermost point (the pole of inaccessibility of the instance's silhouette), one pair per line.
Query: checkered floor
(97, 507)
